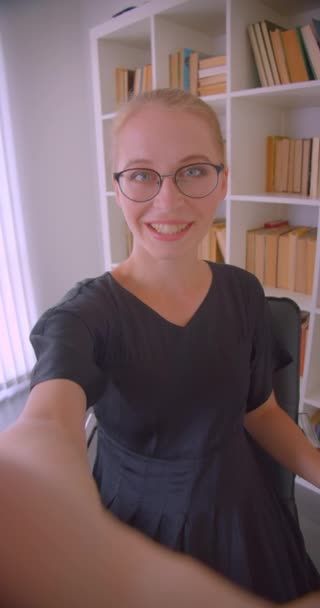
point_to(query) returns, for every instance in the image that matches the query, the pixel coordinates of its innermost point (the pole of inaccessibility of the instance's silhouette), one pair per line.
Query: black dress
(174, 459)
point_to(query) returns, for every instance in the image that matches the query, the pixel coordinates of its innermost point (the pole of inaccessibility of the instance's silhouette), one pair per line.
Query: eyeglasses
(195, 181)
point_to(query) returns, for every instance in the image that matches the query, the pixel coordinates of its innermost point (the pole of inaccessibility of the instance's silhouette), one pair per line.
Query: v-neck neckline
(140, 302)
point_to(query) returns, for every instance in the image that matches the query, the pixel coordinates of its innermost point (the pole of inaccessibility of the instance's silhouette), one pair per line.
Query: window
(16, 315)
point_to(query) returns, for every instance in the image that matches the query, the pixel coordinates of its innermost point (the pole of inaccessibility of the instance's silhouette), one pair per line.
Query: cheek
(130, 211)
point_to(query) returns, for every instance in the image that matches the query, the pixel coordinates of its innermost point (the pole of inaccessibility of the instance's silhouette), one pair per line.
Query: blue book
(311, 73)
(184, 68)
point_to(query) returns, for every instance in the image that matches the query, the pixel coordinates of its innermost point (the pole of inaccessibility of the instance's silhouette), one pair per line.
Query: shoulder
(88, 302)
(236, 278)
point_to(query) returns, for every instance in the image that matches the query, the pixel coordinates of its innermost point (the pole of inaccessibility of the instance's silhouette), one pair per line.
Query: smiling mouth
(169, 228)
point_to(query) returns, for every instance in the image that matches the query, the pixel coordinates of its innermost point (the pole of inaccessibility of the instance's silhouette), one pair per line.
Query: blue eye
(142, 176)
(194, 171)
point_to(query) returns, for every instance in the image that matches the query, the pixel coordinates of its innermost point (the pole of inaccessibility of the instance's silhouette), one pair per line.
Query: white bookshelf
(248, 113)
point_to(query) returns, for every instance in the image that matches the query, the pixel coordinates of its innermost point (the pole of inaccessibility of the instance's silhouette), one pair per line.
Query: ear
(116, 190)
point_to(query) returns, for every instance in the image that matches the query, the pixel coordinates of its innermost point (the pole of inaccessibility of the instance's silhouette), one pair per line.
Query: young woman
(175, 354)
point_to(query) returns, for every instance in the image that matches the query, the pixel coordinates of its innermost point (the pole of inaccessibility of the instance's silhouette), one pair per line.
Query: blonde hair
(170, 98)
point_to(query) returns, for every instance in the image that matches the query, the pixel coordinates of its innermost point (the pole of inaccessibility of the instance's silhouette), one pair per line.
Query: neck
(170, 274)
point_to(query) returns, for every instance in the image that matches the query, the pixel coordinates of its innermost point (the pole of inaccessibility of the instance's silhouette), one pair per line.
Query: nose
(169, 195)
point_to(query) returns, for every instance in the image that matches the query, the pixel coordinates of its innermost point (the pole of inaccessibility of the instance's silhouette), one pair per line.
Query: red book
(275, 223)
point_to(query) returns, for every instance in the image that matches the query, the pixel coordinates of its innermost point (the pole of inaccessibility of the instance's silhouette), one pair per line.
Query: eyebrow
(141, 162)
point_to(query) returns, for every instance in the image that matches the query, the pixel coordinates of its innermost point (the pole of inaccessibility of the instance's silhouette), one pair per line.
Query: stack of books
(212, 75)
(283, 256)
(132, 82)
(293, 165)
(285, 55)
(197, 72)
(213, 245)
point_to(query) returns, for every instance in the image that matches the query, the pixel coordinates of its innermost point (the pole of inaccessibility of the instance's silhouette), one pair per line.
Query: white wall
(46, 48)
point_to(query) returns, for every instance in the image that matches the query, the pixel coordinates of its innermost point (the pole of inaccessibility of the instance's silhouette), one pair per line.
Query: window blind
(16, 306)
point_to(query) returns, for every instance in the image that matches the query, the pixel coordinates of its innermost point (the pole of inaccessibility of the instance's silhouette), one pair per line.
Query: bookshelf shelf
(219, 101)
(277, 199)
(248, 114)
(313, 400)
(295, 95)
(304, 301)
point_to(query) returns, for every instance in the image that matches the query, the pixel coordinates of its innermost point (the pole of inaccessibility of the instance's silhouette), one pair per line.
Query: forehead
(164, 135)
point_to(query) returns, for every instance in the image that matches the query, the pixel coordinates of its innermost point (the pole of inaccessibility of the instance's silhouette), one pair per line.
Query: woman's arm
(278, 434)
(59, 547)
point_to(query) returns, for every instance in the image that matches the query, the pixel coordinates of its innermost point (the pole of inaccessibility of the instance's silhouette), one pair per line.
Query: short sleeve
(66, 348)
(268, 355)
(261, 363)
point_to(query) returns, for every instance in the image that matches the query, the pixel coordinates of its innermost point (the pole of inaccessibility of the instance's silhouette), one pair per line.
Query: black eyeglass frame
(116, 176)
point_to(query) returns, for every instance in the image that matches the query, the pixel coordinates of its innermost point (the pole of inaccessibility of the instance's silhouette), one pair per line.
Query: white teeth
(168, 228)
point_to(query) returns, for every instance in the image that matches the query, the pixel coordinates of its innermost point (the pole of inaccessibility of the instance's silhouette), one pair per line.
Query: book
(211, 62)
(193, 72)
(306, 166)
(312, 48)
(271, 253)
(275, 223)
(257, 56)
(297, 166)
(304, 320)
(291, 165)
(212, 80)
(202, 73)
(270, 162)
(283, 260)
(284, 150)
(311, 258)
(212, 89)
(124, 80)
(280, 57)
(259, 253)
(174, 70)
(301, 263)
(305, 54)
(250, 249)
(184, 74)
(195, 59)
(314, 169)
(266, 28)
(278, 164)
(294, 234)
(294, 56)
(263, 54)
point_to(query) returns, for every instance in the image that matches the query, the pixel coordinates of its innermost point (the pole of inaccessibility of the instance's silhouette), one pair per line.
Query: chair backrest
(286, 326)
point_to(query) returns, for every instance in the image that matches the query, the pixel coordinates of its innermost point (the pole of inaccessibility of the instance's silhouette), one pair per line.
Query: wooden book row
(283, 256)
(285, 55)
(293, 165)
(132, 82)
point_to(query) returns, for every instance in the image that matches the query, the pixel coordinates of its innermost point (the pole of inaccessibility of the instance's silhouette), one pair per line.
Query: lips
(166, 231)
(168, 228)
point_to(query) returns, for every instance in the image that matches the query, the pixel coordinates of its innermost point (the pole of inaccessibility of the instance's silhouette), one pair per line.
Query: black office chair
(285, 315)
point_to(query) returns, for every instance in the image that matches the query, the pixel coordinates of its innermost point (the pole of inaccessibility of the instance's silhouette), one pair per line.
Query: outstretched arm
(278, 434)
(59, 547)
